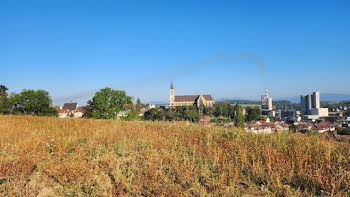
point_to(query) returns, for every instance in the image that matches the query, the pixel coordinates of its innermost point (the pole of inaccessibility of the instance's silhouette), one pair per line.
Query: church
(190, 100)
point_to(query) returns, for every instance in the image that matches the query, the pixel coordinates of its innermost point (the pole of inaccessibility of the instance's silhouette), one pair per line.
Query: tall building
(266, 101)
(315, 97)
(303, 105)
(188, 100)
(310, 105)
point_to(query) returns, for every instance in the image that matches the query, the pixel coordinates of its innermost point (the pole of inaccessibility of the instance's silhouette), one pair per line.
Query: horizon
(226, 49)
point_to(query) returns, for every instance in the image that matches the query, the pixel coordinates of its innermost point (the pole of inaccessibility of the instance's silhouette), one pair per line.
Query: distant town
(266, 116)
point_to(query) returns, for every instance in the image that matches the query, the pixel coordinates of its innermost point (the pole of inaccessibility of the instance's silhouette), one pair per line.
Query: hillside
(51, 156)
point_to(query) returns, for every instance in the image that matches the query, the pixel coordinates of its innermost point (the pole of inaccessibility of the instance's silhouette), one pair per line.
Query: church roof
(171, 86)
(192, 98)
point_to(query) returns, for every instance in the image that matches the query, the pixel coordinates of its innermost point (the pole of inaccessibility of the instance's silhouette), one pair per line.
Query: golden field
(83, 157)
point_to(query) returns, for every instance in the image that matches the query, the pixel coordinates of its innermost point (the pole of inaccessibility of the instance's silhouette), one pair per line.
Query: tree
(253, 114)
(106, 104)
(131, 115)
(293, 128)
(31, 102)
(239, 117)
(223, 109)
(191, 114)
(3, 99)
(138, 105)
(201, 107)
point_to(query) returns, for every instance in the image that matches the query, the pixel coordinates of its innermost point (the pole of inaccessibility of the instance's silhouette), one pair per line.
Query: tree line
(27, 102)
(107, 103)
(192, 113)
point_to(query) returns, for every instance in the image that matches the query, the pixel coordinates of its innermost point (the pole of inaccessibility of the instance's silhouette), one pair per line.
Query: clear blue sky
(230, 49)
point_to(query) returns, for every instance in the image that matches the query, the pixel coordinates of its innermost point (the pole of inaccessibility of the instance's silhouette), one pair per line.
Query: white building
(320, 112)
(310, 105)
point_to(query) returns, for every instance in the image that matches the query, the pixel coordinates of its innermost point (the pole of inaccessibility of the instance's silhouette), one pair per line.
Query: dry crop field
(82, 157)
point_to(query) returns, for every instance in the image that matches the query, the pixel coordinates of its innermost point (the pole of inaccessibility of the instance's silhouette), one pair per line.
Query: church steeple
(172, 94)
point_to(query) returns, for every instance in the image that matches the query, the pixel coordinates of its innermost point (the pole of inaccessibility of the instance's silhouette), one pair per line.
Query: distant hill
(330, 97)
(241, 101)
(323, 97)
(158, 103)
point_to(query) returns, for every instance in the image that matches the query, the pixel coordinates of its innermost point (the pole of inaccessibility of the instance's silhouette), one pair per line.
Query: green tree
(106, 104)
(223, 109)
(253, 114)
(131, 115)
(239, 117)
(191, 114)
(150, 114)
(293, 128)
(138, 106)
(31, 102)
(3, 99)
(201, 108)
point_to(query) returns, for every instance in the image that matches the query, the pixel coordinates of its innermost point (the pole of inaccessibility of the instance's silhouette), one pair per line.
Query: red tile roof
(63, 111)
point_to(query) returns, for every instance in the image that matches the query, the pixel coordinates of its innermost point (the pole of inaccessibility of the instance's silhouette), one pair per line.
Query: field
(82, 157)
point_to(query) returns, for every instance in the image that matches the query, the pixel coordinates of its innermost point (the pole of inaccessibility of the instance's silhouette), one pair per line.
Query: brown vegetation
(51, 156)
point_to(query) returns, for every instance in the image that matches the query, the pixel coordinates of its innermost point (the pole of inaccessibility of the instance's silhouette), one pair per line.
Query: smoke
(185, 70)
(249, 57)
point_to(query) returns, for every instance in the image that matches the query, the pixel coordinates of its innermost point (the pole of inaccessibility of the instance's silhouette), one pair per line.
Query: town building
(79, 112)
(266, 105)
(70, 106)
(266, 101)
(190, 100)
(310, 106)
(288, 115)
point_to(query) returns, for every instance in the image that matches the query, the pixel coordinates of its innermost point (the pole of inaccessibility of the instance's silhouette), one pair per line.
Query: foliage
(80, 157)
(293, 128)
(347, 113)
(106, 104)
(284, 104)
(223, 109)
(3, 99)
(253, 114)
(311, 131)
(220, 120)
(238, 117)
(331, 119)
(131, 115)
(237, 101)
(31, 102)
(343, 131)
(180, 113)
(138, 105)
(333, 106)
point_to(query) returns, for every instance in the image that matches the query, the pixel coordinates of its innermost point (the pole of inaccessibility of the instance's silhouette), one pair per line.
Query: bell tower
(172, 95)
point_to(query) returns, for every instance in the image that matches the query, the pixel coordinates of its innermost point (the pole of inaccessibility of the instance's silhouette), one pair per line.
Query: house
(190, 100)
(324, 126)
(302, 126)
(73, 109)
(79, 112)
(260, 127)
(56, 107)
(70, 106)
(63, 113)
(148, 106)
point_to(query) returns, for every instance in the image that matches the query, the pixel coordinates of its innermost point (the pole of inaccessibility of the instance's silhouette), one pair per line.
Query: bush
(343, 131)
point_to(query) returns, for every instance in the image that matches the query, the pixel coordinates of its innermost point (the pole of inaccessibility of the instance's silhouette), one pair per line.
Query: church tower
(172, 95)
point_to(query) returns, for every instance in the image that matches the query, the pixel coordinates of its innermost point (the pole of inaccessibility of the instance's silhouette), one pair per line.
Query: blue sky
(230, 49)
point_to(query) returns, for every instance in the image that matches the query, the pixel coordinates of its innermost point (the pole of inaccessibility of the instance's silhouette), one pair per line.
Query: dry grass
(51, 156)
